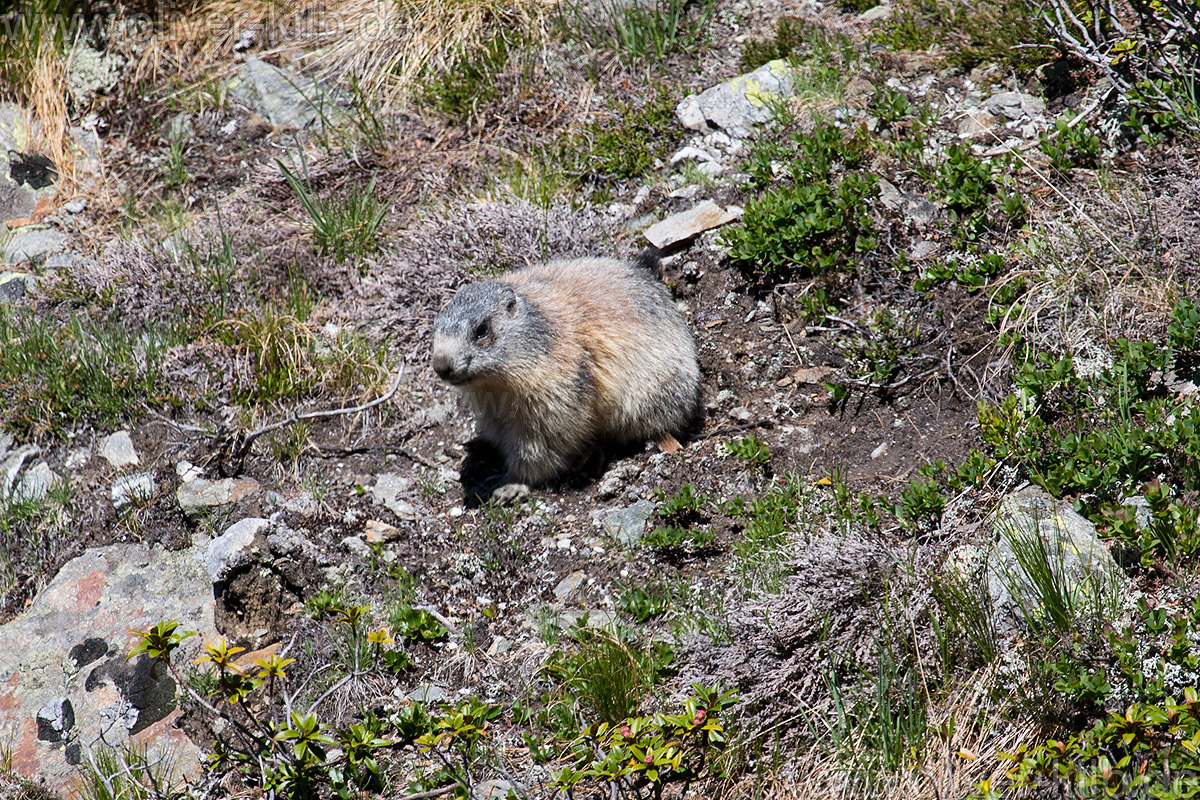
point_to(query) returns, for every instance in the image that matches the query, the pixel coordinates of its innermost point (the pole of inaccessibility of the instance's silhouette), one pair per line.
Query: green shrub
(1070, 147)
(814, 227)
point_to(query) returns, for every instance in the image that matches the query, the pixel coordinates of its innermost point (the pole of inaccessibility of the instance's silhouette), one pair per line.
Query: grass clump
(470, 81)
(281, 359)
(607, 673)
(1004, 32)
(789, 36)
(341, 227)
(56, 376)
(638, 32)
(628, 147)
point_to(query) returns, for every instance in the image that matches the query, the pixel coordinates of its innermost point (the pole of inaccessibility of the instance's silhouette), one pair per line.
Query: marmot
(560, 359)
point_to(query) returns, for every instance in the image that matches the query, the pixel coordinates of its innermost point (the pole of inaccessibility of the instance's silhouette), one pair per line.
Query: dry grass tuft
(388, 45)
(963, 749)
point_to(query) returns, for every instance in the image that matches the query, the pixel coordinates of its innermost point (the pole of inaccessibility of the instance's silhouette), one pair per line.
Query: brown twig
(234, 450)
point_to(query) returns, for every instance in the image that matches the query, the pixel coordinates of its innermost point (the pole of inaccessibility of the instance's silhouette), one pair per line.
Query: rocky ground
(218, 410)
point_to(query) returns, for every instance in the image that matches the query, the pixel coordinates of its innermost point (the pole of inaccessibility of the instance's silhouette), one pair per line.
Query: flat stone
(690, 154)
(388, 486)
(876, 13)
(975, 123)
(14, 286)
(427, 693)
(356, 546)
(493, 789)
(199, 494)
(117, 450)
(285, 99)
(135, 488)
(499, 646)
(64, 677)
(29, 243)
(1015, 105)
(628, 525)
(377, 532)
(567, 586)
(737, 105)
(36, 483)
(686, 224)
(232, 549)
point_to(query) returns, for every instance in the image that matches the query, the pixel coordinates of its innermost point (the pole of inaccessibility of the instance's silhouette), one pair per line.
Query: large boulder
(285, 99)
(65, 677)
(737, 105)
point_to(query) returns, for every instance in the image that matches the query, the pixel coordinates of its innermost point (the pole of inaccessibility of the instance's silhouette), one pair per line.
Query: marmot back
(564, 357)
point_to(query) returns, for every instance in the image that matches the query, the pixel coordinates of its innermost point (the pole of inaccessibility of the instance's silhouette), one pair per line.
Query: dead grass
(964, 745)
(388, 46)
(1096, 269)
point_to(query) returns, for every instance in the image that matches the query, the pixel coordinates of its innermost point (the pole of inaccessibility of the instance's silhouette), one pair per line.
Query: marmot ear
(509, 299)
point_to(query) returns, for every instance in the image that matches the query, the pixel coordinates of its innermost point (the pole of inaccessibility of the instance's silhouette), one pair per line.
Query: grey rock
(136, 488)
(356, 546)
(6, 443)
(494, 789)
(500, 645)
(876, 13)
(737, 105)
(976, 123)
(16, 200)
(14, 133)
(567, 586)
(388, 486)
(178, 128)
(287, 100)
(31, 243)
(916, 208)
(595, 618)
(686, 224)
(628, 525)
(118, 451)
(14, 286)
(615, 480)
(1016, 105)
(232, 549)
(1074, 551)
(36, 483)
(10, 467)
(199, 495)
(64, 677)
(76, 206)
(427, 693)
(691, 154)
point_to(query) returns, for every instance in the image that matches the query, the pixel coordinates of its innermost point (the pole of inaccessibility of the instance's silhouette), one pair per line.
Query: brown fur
(596, 354)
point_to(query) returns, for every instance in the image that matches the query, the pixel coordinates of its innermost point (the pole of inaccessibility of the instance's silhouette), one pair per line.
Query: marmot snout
(558, 359)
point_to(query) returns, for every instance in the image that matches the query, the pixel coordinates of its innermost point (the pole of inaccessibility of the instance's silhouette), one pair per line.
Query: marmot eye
(481, 330)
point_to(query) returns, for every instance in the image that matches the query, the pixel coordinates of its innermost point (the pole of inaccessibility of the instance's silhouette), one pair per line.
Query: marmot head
(486, 332)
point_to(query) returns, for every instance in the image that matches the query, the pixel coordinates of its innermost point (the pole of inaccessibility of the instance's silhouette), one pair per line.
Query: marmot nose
(443, 365)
